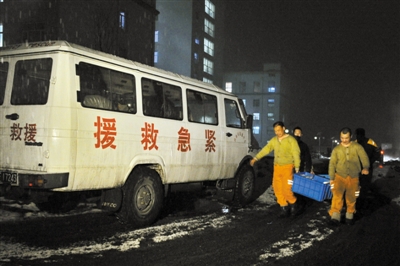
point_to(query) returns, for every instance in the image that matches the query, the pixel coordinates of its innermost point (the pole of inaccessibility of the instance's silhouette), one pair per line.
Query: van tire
(245, 186)
(142, 198)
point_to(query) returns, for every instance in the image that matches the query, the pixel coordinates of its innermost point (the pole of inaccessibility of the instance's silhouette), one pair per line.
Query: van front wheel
(142, 198)
(245, 186)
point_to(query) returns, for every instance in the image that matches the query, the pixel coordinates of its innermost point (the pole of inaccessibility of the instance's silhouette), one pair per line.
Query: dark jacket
(371, 148)
(305, 157)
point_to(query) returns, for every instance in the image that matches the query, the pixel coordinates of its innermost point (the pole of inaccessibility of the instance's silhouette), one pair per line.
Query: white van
(75, 120)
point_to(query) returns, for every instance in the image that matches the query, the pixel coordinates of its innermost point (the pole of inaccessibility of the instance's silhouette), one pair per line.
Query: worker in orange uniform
(344, 170)
(286, 158)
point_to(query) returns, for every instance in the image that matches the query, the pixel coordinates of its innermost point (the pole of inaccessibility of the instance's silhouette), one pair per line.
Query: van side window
(232, 114)
(103, 88)
(161, 99)
(202, 107)
(3, 79)
(31, 82)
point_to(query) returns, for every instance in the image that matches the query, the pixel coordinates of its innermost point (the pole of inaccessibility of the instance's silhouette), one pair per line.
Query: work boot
(349, 218)
(333, 222)
(296, 208)
(285, 212)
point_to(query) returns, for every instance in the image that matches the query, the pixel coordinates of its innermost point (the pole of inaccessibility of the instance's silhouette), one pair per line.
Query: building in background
(2, 18)
(188, 38)
(261, 92)
(122, 28)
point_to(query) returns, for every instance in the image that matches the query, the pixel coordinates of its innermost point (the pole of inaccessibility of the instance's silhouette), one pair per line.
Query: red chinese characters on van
(184, 140)
(29, 132)
(105, 133)
(149, 136)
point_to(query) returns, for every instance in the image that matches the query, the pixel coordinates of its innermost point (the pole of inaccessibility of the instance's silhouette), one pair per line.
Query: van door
(24, 85)
(235, 134)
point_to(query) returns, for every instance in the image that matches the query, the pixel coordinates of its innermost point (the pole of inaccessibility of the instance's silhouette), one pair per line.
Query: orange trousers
(350, 188)
(282, 184)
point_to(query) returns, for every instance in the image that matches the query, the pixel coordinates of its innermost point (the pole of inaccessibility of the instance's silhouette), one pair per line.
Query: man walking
(286, 157)
(305, 155)
(373, 153)
(344, 170)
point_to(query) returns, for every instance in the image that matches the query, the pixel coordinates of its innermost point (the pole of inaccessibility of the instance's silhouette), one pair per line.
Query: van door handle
(229, 134)
(13, 116)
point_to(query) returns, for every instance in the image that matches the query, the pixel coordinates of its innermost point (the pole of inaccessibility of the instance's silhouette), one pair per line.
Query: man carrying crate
(344, 169)
(286, 157)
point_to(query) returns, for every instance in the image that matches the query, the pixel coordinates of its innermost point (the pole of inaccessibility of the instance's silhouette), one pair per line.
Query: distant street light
(334, 142)
(318, 137)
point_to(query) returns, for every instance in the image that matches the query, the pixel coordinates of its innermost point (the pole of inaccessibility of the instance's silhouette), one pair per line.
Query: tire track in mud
(300, 236)
(120, 242)
(297, 240)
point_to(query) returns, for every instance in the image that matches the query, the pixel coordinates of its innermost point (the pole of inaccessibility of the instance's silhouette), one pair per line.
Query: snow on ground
(118, 242)
(11, 210)
(387, 178)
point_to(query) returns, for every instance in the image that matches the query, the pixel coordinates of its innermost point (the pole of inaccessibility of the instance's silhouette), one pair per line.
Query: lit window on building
(156, 57)
(271, 102)
(256, 102)
(1, 34)
(256, 116)
(228, 86)
(256, 130)
(208, 47)
(207, 80)
(271, 89)
(156, 36)
(209, 8)
(270, 114)
(122, 20)
(208, 66)
(209, 27)
(196, 41)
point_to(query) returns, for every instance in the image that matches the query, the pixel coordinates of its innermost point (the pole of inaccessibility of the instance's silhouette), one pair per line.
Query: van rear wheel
(245, 186)
(142, 198)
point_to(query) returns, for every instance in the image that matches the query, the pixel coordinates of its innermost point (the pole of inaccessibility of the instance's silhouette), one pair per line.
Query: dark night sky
(341, 60)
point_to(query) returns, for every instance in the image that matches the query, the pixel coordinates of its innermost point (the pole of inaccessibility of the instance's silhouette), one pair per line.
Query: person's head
(360, 134)
(279, 128)
(297, 132)
(345, 136)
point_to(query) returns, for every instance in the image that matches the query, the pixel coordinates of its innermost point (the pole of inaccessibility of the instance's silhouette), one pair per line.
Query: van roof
(49, 46)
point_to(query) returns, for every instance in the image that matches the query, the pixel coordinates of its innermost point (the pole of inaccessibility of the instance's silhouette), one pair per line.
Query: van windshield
(31, 82)
(3, 79)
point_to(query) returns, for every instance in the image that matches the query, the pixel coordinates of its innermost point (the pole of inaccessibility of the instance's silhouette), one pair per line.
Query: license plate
(9, 177)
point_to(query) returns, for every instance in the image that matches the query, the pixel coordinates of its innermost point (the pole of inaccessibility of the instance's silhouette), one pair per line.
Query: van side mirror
(249, 122)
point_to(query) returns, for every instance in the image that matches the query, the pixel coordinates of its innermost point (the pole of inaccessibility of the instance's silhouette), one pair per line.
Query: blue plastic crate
(316, 187)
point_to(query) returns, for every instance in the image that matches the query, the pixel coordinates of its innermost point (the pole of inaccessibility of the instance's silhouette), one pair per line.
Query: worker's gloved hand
(253, 161)
(365, 172)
